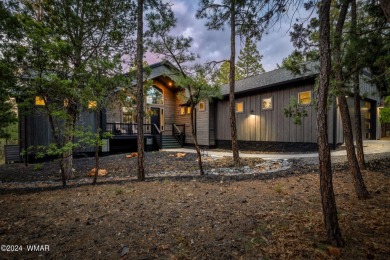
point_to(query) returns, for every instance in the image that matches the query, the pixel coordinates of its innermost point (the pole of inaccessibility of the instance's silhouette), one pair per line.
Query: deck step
(169, 142)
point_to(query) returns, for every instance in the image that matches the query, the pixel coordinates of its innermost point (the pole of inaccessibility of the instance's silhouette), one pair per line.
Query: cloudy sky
(214, 45)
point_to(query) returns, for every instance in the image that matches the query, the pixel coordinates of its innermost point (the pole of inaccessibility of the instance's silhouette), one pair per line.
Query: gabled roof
(163, 68)
(271, 78)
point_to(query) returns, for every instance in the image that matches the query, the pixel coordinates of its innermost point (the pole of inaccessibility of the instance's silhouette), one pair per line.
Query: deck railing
(158, 134)
(126, 128)
(178, 131)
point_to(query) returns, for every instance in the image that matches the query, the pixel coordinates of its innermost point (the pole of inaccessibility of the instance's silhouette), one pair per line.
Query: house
(262, 124)
(260, 118)
(166, 125)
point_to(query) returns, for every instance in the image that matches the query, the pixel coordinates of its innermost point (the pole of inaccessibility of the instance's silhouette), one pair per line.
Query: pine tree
(249, 60)
(328, 200)
(57, 56)
(222, 75)
(245, 18)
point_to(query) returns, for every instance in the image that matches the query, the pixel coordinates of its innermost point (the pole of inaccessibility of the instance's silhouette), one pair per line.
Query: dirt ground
(177, 214)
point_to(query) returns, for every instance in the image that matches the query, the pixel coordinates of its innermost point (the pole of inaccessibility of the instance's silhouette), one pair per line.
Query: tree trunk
(193, 130)
(67, 158)
(57, 140)
(385, 5)
(232, 102)
(326, 184)
(67, 155)
(354, 169)
(140, 93)
(62, 171)
(97, 142)
(356, 95)
(358, 122)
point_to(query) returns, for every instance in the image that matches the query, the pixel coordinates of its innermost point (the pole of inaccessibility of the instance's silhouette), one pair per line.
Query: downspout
(334, 123)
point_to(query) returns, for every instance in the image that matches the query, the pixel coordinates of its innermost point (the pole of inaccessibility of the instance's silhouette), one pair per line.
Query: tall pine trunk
(326, 184)
(140, 93)
(356, 95)
(67, 156)
(232, 74)
(358, 122)
(58, 142)
(195, 138)
(97, 142)
(354, 168)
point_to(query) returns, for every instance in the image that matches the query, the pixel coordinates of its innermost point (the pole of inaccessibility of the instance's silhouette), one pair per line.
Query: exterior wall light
(39, 101)
(92, 104)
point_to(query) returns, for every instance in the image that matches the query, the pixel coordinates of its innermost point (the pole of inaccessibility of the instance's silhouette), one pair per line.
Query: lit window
(266, 103)
(304, 98)
(182, 110)
(188, 110)
(239, 107)
(39, 101)
(202, 106)
(92, 104)
(155, 96)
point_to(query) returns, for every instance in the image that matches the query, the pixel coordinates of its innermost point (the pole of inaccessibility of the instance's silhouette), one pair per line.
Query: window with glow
(266, 103)
(154, 96)
(188, 110)
(202, 106)
(239, 107)
(182, 110)
(304, 98)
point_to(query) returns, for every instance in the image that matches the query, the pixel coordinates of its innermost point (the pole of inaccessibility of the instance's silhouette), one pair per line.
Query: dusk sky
(214, 45)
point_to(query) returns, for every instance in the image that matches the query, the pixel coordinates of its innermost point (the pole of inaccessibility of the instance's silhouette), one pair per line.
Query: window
(266, 103)
(154, 96)
(188, 110)
(239, 107)
(182, 110)
(202, 106)
(304, 98)
(129, 114)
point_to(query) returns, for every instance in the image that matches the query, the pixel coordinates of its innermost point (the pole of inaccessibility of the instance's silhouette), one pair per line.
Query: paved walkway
(369, 146)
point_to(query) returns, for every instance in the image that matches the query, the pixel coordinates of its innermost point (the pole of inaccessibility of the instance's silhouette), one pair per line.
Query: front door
(155, 119)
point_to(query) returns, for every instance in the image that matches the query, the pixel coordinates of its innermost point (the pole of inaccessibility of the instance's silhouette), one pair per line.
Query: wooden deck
(127, 129)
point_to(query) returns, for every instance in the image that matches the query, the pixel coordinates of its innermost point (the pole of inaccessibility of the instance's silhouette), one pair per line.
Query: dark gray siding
(268, 125)
(37, 129)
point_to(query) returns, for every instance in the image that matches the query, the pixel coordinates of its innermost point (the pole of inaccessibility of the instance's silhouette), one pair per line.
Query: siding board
(267, 125)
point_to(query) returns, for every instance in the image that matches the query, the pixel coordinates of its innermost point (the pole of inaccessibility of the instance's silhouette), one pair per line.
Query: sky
(214, 45)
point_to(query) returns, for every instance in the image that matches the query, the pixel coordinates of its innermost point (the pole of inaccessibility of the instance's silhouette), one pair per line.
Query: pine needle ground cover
(210, 217)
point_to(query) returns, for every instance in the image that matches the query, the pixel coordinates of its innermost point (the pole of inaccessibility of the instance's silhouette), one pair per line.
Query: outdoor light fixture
(39, 101)
(252, 112)
(92, 104)
(170, 83)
